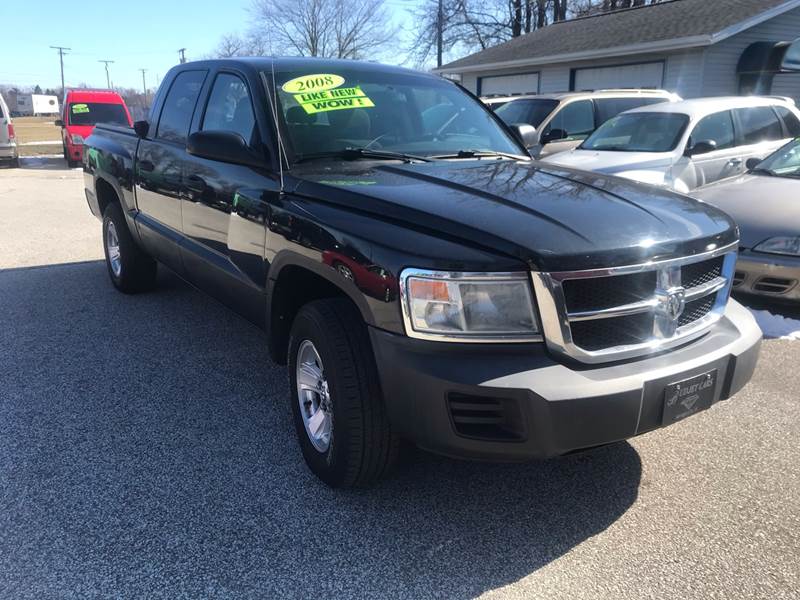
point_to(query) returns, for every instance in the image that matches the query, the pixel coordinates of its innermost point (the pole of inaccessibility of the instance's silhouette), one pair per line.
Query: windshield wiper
(480, 154)
(356, 153)
(763, 171)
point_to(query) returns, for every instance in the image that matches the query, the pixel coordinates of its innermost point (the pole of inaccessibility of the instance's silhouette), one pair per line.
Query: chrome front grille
(612, 314)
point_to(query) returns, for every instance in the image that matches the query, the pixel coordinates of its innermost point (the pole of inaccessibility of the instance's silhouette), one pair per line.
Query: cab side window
(716, 128)
(576, 119)
(229, 108)
(173, 126)
(759, 124)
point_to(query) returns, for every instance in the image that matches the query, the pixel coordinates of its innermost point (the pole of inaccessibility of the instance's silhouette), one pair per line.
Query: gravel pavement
(146, 451)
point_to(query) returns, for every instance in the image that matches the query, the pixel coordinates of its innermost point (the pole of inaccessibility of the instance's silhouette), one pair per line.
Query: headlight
(77, 139)
(478, 307)
(780, 245)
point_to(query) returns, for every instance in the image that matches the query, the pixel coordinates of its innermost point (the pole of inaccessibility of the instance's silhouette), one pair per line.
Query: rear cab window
(179, 104)
(608, 108)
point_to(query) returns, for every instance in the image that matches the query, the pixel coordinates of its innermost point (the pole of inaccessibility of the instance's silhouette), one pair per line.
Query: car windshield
(92, 113)
(639, 132)
(784, 162)
(379, 112)
(532, 112)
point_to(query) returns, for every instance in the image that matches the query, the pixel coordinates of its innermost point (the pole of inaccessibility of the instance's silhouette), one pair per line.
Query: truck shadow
(146, 449)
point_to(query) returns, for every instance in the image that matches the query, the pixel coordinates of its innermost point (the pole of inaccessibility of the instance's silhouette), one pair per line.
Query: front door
(726, 160)
(572, 124)
(225, 206)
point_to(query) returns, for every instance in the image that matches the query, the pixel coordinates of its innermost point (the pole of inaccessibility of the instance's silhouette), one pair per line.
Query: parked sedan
(684, 145)
(764, 202)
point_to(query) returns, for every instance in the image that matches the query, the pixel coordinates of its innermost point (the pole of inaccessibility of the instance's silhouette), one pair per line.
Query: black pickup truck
(423, 278)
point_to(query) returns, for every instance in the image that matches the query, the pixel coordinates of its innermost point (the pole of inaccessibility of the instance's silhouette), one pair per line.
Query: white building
(35, 105)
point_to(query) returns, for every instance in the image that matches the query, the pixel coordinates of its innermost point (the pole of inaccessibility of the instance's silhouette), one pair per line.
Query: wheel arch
(294, 280)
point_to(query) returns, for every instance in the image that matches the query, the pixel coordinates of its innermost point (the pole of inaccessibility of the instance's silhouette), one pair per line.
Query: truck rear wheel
(131, 270)
(336, 399)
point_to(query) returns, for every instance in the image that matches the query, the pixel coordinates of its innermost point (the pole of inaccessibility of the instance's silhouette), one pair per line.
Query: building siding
(721, 59)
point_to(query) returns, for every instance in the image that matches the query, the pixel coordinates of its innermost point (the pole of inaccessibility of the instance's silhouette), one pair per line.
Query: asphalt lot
(146, 450)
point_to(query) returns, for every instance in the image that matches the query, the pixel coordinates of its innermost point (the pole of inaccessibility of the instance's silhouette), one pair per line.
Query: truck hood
(552, 218)
(763, 206)
(611, 162)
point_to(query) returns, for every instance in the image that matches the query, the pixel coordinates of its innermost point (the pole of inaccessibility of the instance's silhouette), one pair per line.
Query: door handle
(196, 184)
(146, 165)
(735, 162)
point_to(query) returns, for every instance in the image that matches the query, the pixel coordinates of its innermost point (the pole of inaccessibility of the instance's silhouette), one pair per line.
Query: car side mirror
(703, 147)
(554, 135)
(141, 128)
(525, 133)
(58, 123)
(224, 146)
(752, 163)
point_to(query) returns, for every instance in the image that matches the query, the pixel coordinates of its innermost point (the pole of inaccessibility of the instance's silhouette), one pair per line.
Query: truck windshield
(639, 132)
(532, 112)
(92, 113)
(401, 113)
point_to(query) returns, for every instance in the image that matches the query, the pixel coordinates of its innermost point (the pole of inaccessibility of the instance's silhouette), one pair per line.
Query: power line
(108, 76)
(61, 60)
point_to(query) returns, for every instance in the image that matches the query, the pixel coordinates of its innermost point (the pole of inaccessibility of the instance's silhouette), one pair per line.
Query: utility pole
(61, 59)
(439, 33)
(144, 85)
(108, 77)
(182, 52)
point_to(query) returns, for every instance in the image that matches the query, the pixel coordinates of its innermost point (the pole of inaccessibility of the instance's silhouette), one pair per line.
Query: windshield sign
(639, 132)
(374, 114)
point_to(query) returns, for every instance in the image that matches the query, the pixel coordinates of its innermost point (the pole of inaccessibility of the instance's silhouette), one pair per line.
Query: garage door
(524, 83)
(646, 75)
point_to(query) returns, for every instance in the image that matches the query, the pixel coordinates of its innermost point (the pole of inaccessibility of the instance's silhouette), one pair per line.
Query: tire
(131, 270)
(361, 447)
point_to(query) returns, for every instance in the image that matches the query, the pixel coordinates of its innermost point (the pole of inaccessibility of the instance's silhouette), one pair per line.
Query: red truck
(82, 110)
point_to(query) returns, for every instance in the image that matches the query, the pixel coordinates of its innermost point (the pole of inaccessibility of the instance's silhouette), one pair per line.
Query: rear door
(760, 132)
(159, 170)
(225, 205)
(726, 160)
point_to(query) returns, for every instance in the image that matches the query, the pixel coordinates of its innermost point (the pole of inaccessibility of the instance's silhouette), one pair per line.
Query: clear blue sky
(128, 33)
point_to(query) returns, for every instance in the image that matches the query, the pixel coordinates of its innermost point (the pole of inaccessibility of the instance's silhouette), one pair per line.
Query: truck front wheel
(336, 398)
(130, 269)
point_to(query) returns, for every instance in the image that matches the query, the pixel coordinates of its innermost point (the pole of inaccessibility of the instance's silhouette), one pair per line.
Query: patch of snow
(44, 143)
(777, 326)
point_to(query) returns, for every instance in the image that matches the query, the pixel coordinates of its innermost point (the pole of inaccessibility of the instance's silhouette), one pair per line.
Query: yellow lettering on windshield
(335, 99)
(312, 83)
(80, 108)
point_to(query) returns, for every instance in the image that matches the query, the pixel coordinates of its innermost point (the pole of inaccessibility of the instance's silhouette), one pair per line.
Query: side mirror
(553, 135)
(141, 128)
(224, 146)
(525, 133)
(752, 163)
(58, 123)
(703, 147)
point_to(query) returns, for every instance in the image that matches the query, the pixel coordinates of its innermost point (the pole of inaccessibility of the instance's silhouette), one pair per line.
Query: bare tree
(328, 28)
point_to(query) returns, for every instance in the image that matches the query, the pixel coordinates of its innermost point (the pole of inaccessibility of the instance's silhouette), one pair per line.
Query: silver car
(8, 141)
(764, 202)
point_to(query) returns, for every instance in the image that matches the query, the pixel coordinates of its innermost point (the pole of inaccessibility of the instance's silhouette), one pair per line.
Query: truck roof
(99, 96)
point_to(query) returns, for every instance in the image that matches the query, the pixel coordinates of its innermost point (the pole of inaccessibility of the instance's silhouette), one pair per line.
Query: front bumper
(544, 407)
(769, 275)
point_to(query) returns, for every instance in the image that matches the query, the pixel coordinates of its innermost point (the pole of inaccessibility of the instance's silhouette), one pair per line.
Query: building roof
(670, 25)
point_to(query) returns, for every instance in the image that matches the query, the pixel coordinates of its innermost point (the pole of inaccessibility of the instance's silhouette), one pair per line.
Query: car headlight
(478, 307)
(780, 245)
(77, 139)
